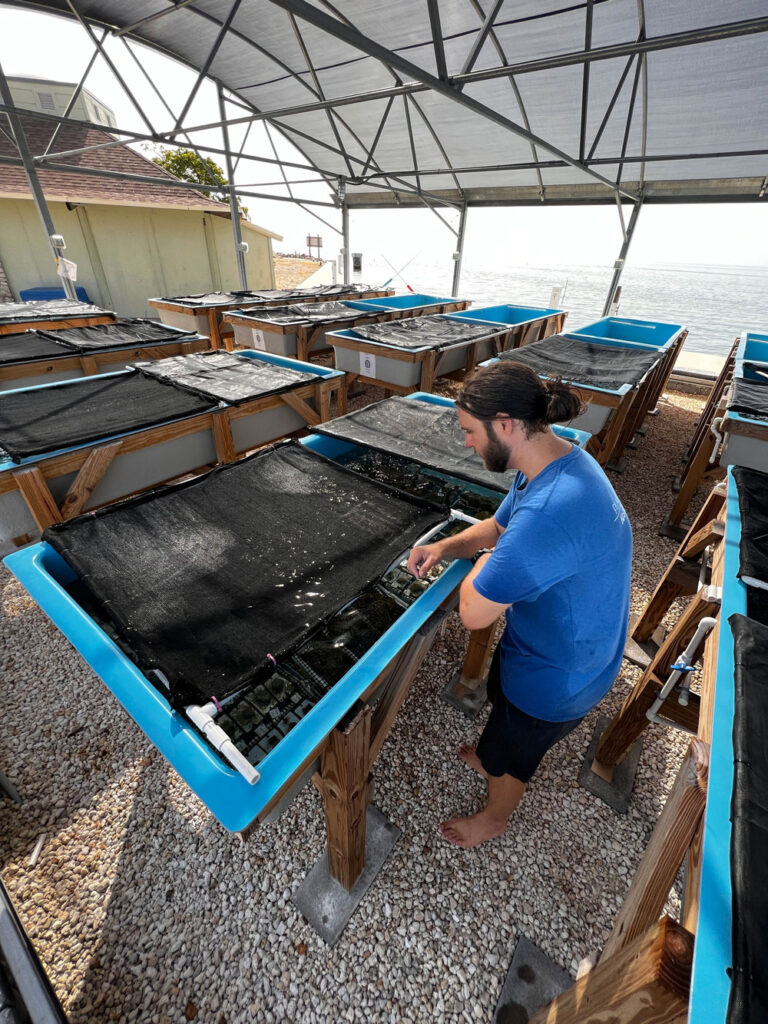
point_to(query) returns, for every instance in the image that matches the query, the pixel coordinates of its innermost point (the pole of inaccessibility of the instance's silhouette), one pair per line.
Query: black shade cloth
(752, 489)
(425, 433)
(425, 332)
(583, 362)
(234, 298)
(46, 419)
(307, 313)
(135, 331)
(48, 309)
(757, 604)
(264, 295)
(27, 347)
(749, 398)
(207, 579)
(225, 376)
(748, 1001)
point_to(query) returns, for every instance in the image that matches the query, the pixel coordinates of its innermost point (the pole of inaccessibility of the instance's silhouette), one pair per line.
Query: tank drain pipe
(715, 428)
(203, 717)
(681, 669)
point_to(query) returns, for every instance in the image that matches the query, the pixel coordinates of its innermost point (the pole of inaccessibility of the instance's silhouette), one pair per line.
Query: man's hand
(422, 558)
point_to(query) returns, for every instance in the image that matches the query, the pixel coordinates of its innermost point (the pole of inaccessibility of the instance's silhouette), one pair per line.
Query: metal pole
(345, 235)
(457, 256)
(55, 240)
(234, 210)
(618, 266)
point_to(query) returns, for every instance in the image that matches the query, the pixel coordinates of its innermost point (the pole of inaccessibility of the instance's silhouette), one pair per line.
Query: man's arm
(476, 611)
(480, 535)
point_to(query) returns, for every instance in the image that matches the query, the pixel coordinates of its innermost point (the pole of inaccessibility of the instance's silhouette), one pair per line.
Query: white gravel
(143, 909)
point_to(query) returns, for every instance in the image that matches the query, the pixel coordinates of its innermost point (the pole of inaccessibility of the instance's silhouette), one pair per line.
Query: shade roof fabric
(554, 102)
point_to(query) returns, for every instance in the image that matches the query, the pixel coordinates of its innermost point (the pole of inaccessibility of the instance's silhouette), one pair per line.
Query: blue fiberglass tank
(744, 427)
(506, 326)
(152, 454)
(235, 801)
(284, 330)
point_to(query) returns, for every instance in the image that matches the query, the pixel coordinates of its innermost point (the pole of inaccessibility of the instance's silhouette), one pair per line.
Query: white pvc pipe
(705, 626)
(202, 717)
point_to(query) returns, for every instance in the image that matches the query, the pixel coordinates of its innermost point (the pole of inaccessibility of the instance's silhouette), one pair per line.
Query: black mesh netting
(757, 604)
(749, 398)
(49, 309)
(425, 433)
(26, 347)
(265, 295)
(210, 580)
(748, 1002)
(308, 313)
(46, 419)
(424, 332)
(583, 362)
(235, 298)
(224, 375)
(134, 332)
(752, 489)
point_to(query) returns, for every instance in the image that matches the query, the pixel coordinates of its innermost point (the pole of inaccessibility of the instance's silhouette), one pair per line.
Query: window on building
(46, 100)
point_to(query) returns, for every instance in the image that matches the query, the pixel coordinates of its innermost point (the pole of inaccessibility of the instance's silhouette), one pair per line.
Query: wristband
(479, 554)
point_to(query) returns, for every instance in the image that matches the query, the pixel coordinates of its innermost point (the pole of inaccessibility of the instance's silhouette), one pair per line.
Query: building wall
(53, 98)
(126, 255)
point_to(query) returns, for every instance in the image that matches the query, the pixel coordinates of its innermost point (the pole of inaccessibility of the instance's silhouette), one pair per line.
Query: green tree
(188, 166)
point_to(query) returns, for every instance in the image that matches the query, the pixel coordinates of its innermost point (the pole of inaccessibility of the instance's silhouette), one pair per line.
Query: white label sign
(367, 364)
(258, 339)
(66, 268)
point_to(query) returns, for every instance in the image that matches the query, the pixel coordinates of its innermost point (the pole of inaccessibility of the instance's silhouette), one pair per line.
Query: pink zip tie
(272, 659)
(216, 703)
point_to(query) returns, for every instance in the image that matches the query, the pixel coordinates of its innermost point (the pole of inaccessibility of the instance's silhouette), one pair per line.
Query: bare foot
(469, 756)
(471, 831)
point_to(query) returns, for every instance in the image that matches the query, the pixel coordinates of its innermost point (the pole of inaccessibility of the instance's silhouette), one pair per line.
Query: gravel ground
(143, 909)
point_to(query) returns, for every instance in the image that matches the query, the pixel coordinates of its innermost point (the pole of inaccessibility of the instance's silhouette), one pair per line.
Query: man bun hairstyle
(563, 403)
(515, 390)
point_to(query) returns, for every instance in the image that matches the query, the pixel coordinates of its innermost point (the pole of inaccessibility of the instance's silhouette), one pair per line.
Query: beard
(495, 455)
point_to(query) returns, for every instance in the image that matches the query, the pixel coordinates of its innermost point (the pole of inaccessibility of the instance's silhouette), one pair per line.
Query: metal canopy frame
(304, 60)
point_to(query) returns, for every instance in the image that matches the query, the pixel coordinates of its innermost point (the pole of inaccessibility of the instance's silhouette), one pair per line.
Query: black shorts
(514, 743)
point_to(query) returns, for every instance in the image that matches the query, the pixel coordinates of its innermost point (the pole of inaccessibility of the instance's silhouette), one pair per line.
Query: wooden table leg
(671, 838)
(343, 782)
(647, 981)
(631, 720)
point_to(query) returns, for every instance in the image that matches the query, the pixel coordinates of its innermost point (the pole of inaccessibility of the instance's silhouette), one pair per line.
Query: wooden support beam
(399, 683)
(38, 497)
(691, 478)
(427, 381)
(631, 720)
(647, 982)
(213, 328)
(222, 437)
(343, 782)
(672, 835)
(91, 472)
(474, 669)
(681, 576)
(323, 402)
(712, 533)
(307, 413)
(693, 879)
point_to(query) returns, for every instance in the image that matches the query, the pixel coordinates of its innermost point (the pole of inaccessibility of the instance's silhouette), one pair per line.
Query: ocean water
(716, 303)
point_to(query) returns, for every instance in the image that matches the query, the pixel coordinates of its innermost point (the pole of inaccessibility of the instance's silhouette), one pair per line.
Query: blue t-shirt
(563, 563)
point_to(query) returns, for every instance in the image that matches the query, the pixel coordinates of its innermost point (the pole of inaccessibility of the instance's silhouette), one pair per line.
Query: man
(556, 559)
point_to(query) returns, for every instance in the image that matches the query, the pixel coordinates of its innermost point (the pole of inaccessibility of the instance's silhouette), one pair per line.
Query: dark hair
(516, 390)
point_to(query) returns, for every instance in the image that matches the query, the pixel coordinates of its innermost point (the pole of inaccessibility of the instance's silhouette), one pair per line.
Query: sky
(735, 234)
